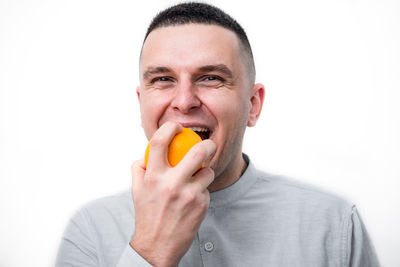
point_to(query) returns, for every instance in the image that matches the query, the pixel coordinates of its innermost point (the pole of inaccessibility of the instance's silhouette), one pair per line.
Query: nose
(185, 99)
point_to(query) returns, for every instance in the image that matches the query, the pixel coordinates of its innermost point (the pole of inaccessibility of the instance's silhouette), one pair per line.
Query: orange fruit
(179, 146)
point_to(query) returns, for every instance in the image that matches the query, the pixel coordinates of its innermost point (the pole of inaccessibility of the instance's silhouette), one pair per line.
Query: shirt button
(209, 246)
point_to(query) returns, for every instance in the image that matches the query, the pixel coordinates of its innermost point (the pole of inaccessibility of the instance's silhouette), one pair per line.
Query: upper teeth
(198, 129)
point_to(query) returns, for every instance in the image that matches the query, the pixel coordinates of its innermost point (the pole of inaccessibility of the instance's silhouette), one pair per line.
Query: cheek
(152, 108)
(231, 111)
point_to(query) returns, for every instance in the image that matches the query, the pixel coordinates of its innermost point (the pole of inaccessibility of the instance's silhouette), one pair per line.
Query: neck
(233, 171)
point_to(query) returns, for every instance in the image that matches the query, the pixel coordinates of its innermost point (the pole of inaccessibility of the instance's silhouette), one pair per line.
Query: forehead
(190, 45)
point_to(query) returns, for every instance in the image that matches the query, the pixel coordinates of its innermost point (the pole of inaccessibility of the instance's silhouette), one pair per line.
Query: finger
(158, 154)
(203, 178)
(138, 170)
(194, 159)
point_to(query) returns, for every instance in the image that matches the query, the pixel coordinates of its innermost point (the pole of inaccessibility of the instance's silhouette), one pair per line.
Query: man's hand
(170, 203)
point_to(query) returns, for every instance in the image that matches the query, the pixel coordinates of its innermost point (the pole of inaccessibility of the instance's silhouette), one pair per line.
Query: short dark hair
(201, 13)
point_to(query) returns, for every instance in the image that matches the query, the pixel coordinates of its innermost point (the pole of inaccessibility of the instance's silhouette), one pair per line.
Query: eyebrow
(155, 70)
(221, 68)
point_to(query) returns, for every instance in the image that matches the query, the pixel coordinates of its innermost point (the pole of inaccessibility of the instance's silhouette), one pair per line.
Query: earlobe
(256, 104)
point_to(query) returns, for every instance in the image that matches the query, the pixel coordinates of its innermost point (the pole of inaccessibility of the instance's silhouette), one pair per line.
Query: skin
(190, 75)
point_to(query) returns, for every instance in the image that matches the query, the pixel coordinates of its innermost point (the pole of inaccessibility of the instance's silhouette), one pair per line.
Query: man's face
(195, 74)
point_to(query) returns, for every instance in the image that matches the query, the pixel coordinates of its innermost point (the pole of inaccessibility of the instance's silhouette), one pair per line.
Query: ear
(138, 92)
(138, 96)
(256, 103)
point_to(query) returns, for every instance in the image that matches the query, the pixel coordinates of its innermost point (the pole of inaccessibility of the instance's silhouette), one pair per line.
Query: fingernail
(211, 148)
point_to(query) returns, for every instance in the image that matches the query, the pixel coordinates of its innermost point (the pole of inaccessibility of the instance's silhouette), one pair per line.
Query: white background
(69, 117)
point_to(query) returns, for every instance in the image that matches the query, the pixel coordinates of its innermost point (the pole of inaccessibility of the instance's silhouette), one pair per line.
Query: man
(197, 71)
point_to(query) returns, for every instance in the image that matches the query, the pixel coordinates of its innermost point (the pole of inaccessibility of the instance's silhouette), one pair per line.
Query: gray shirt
(261, 220)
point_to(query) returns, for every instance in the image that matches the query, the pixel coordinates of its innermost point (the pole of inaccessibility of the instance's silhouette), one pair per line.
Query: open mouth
(203, 132)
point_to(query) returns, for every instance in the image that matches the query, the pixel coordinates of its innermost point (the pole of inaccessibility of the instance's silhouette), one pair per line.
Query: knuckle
(170, 192)
(151, 180)
(161, 136)
(190, 196)
(206, 199)
(157, 141)
(203, 204)
(209, 172)
(199, 152)
(173, 125)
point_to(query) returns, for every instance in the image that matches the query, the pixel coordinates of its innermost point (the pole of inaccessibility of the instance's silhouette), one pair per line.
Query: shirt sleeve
(131, 258)
(78, 247)
(358, 248)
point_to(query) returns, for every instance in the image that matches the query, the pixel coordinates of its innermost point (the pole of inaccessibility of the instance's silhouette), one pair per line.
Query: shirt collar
(235, 191)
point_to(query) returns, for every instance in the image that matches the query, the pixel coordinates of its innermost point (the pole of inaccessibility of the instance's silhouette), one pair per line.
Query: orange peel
(179, 146)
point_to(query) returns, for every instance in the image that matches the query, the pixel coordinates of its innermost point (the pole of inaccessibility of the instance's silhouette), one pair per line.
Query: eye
(210, 81)
(161, 82)
(160, 79)
(212, 78)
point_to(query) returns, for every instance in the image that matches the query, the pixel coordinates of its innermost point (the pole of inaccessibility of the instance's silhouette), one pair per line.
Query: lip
(194, 124)
(188, 125)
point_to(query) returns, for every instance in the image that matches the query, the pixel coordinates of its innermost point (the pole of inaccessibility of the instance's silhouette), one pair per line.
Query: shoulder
(291, 193)
(123, 198)
(117, 207)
